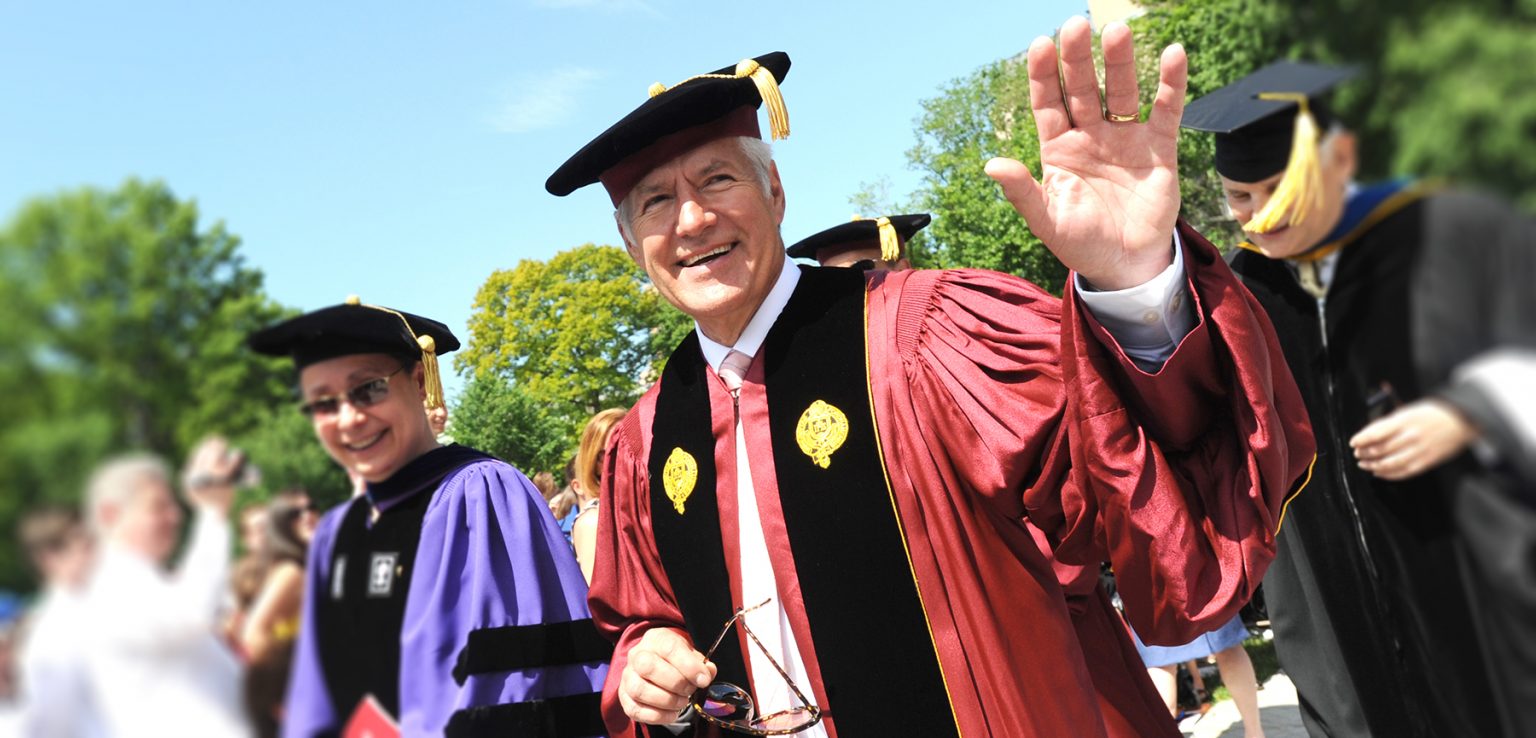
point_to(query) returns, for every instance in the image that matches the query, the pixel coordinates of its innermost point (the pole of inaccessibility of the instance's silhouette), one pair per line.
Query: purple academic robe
(489, 556)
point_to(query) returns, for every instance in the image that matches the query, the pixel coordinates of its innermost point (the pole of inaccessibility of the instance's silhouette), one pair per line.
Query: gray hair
(118, 479)
(759, 154)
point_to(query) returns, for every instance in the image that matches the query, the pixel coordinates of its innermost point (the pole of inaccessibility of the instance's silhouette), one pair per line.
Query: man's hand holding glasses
(665, 676)
(661, 676)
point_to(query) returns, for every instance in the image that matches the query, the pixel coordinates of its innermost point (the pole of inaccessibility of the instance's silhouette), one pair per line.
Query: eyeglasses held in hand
(732, 708)
(367, 394)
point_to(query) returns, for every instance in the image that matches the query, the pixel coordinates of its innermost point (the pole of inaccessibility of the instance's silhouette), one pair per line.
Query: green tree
(1457, 100)
(284, 448)
(495, 416)
(122, 319)
(973, 119)
(581, 332)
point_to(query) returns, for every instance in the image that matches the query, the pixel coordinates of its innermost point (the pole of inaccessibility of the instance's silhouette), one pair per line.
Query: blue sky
(399, 151)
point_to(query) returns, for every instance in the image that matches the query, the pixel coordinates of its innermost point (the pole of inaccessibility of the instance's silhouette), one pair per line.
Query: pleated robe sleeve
(1177, 477)
(490, 557)
(630, 591)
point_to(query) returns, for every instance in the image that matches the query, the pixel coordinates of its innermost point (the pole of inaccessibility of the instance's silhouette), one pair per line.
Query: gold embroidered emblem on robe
(821, 431)
(678, 477)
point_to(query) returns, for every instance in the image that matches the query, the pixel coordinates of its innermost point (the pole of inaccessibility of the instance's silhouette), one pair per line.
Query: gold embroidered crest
(678, 476)
(821, 430)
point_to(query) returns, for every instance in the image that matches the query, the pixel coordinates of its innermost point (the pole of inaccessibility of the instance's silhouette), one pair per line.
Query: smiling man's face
(373, 440)
(707, 235)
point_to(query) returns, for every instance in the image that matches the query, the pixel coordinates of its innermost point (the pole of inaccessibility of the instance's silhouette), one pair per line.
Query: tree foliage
(499, 418)
(122, 321)
(579, 333)
(1458, 101)
(973, 119)
(283, 447)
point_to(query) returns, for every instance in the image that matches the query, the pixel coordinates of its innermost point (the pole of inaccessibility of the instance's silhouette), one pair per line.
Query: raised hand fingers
(1122, 94)
(1079, 80)
(1172, 84)
(1045, 91)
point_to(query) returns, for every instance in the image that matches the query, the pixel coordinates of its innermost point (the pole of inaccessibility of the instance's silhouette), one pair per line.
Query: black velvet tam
(686, 115)
(347, 329)
(857, 233)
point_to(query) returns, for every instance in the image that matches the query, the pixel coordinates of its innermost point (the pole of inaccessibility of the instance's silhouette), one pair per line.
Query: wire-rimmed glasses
(732, 708)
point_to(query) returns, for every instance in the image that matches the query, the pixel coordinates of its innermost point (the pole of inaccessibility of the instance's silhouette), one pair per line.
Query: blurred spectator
(245, 580)
(253, 528)
(266, 682)
(545, 482)
(1226, 644)
(437, 419)
(153, 652)
(56, 691)
(590, 458)
(273, 618)
(565, 505)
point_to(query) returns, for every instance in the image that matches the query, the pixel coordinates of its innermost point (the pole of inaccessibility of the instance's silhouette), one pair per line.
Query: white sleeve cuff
(1150, 319)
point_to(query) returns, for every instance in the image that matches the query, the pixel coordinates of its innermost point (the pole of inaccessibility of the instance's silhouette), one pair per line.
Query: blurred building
(1105, 12)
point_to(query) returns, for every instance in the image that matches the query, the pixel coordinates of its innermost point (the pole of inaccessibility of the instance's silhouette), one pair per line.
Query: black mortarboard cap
(356, 328)
(861, 232)
(675, 119)
(1253, 134)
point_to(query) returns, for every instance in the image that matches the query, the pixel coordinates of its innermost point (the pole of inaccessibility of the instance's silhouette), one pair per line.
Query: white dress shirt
(1148, 320)
(56, 697)
(157, 665)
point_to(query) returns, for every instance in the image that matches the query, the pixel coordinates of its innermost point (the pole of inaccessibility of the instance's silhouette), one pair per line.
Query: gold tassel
(434, 379)
(768, 88)
(1300, 189)
(890, 245)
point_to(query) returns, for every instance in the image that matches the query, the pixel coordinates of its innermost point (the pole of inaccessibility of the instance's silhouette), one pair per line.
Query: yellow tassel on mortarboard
(767, 88)
(434, 379)
(890, 244)
(1301, 188)
(428, 345)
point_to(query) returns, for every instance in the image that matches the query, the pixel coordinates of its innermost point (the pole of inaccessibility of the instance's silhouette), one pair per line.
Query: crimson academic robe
(995, 402)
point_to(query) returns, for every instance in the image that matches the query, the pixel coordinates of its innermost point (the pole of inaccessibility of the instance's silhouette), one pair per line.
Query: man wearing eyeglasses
(860, 450)
(878, 244)
(444, 597)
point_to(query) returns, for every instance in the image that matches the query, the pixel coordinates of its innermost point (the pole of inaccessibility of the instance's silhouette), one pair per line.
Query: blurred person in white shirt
(155, 659)
(56, 696)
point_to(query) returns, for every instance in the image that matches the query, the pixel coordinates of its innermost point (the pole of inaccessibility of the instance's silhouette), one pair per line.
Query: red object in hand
(370, 720)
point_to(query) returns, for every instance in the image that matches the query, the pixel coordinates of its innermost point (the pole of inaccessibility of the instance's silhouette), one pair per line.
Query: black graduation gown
(1368, 592)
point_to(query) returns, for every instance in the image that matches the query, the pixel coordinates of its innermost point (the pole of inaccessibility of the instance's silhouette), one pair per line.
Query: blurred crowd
(207, 635)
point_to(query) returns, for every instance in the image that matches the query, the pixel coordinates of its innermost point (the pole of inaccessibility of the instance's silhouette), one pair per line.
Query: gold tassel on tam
(1300, 190)
(890, 245)
(767, 88)
(434, 379)
(428, 345)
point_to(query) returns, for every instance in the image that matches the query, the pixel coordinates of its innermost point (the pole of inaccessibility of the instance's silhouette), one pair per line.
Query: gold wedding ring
(1116, 118)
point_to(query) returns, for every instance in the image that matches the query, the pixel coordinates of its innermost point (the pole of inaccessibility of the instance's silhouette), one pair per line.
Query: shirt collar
(757, 329)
